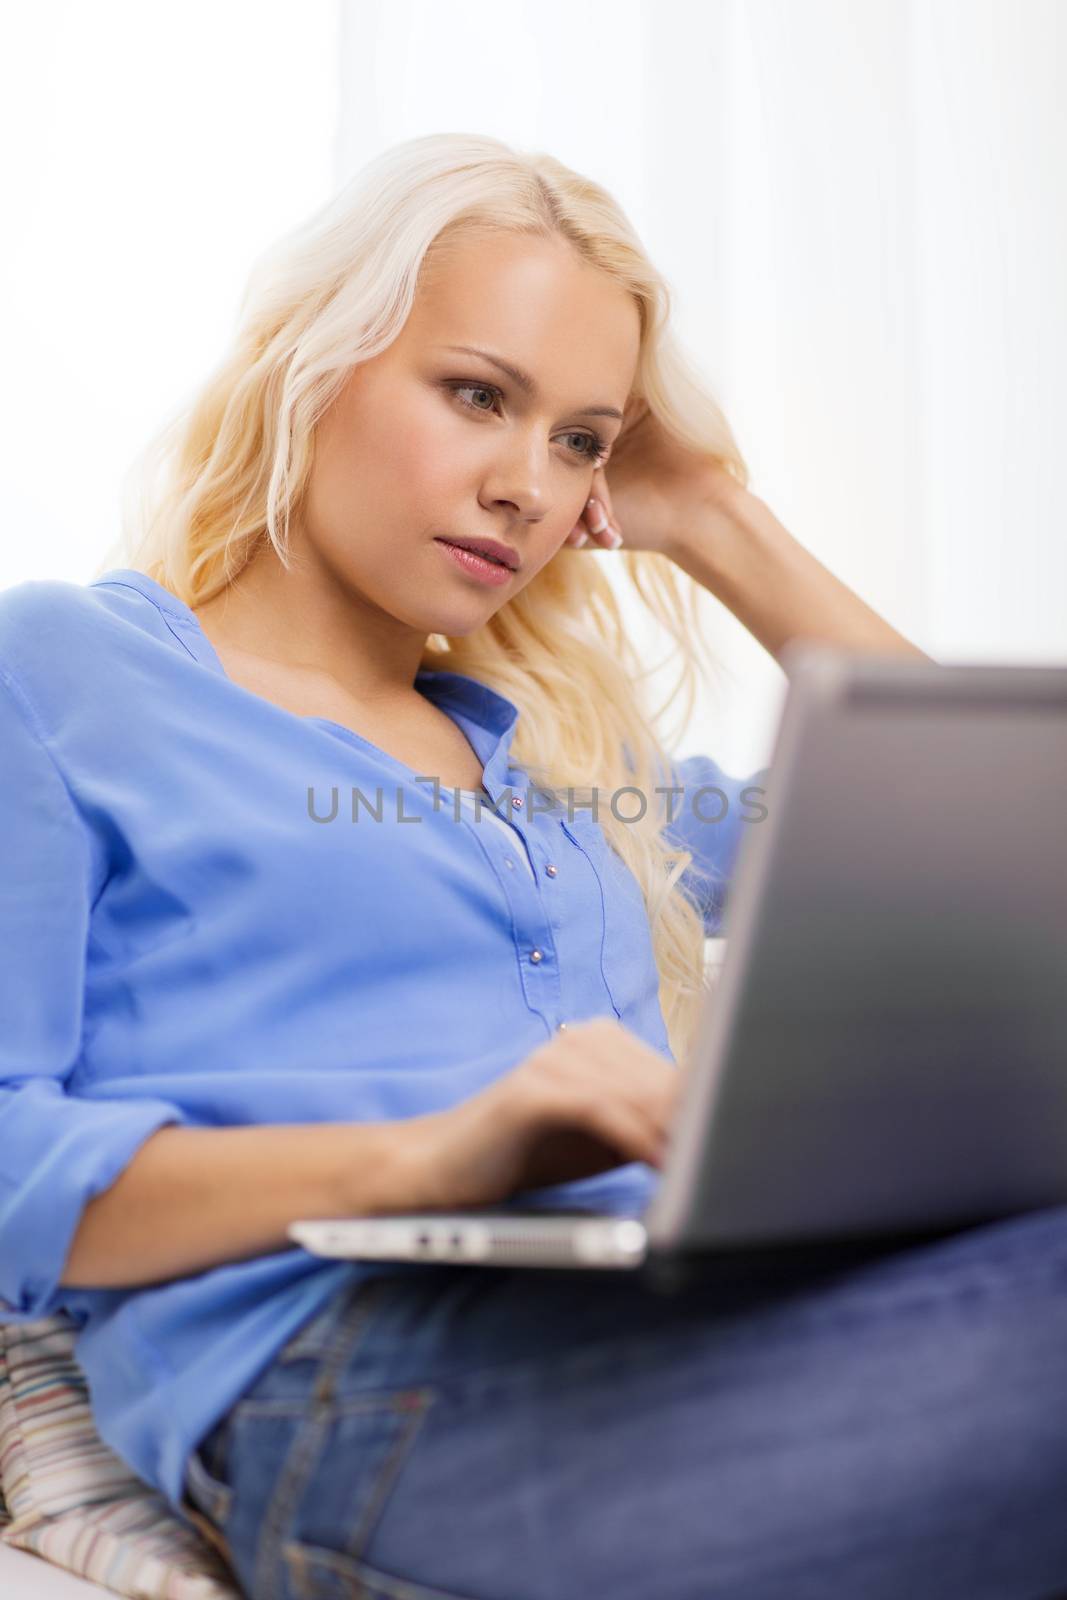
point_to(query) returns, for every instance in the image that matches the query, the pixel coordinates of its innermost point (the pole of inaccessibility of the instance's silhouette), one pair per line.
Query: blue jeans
(891, 1427)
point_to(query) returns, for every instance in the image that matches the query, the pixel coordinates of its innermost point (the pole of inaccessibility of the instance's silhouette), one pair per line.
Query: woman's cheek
(428, 445)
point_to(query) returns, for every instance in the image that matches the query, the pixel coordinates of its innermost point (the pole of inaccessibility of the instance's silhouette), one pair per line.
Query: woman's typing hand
(591, 1098)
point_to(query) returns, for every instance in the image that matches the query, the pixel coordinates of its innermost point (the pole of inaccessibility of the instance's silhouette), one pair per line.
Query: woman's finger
(597, 521)
(604, 519)
(598, 518)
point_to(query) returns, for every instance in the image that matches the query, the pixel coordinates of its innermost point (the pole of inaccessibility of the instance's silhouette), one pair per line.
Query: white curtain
(149, 153)
(861, 207)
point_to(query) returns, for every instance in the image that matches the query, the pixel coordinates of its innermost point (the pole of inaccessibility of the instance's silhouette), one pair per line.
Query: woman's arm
(580, 1103)
(663, 497)
(735, 547)
(194, 1198)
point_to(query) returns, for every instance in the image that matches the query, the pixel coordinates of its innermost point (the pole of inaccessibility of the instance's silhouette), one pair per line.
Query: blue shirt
(194, 931)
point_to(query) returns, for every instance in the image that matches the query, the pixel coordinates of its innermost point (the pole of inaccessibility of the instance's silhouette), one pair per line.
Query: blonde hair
(233, 464)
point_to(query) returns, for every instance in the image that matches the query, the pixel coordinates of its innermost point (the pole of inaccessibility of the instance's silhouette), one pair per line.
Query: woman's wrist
(385, 1168)
(735, 547)
(722, 522)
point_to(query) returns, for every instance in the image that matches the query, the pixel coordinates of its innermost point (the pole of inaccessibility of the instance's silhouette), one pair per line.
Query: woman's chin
(466, 617)
(455, 627)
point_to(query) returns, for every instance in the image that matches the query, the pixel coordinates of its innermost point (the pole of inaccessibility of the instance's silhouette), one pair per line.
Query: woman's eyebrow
(524, 380)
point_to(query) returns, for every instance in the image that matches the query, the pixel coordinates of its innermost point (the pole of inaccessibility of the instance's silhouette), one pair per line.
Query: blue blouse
(201, 924)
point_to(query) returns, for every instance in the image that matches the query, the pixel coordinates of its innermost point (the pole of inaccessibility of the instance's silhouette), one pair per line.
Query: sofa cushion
(66, 1496)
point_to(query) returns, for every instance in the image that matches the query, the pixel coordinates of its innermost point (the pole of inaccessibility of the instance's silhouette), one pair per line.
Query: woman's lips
(479, 567)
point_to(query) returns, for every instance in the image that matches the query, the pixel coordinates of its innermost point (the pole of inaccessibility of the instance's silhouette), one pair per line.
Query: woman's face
(428, 442)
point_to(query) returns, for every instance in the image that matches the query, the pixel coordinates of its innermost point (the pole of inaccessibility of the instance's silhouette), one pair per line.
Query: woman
(237, 1000)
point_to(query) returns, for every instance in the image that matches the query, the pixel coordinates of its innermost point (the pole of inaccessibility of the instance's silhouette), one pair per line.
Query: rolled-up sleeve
(710, 812)
(56, 1151)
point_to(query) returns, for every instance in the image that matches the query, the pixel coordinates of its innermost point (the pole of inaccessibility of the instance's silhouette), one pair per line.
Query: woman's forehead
(539, 307)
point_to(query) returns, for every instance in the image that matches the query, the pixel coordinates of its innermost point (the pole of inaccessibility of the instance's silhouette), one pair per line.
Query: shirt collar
(487, 718)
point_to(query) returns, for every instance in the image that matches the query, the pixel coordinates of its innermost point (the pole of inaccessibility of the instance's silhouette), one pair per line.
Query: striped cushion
(66, 1496)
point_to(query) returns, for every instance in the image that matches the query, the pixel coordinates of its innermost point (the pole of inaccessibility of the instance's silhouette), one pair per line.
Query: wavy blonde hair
(232, 465)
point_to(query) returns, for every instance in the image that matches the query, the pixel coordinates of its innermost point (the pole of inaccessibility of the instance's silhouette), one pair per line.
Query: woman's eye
(594, 449)
(474, 388)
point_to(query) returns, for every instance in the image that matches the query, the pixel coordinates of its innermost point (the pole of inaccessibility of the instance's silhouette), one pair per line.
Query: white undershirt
(468, 797)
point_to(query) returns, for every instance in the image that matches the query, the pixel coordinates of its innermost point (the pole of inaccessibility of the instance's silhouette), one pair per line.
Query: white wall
(861, 209)
(149, 152)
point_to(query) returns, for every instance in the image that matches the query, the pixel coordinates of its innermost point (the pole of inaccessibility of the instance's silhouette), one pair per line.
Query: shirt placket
(537, 953)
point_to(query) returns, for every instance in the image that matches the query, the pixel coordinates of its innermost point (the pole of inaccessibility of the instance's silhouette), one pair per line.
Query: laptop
(884, 1056)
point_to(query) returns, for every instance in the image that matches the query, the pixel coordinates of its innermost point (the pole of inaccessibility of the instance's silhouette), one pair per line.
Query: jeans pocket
(325, 1575)
(306, 1459)
(352, 1453)
(208, 1490)
(208, 1500)
(357, 1468)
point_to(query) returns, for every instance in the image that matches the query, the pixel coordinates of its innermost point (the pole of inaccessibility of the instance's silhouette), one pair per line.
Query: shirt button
(516, 801)
(561, 1027)
(551, 870)
(535, 955)
(508, 862)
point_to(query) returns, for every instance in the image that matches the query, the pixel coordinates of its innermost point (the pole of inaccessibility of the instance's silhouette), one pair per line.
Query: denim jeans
(891, 1427)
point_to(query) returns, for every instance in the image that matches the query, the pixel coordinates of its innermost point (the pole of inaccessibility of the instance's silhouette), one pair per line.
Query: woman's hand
(589, 1099)
(657, 488)
(663, 497)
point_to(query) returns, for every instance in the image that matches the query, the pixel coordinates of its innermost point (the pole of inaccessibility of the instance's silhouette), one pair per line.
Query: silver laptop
(885, 1053)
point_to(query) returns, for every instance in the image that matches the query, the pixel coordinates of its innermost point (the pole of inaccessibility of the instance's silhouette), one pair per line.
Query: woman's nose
(519, 480)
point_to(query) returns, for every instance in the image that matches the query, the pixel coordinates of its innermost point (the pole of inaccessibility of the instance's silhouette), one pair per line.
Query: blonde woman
(233, 998)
